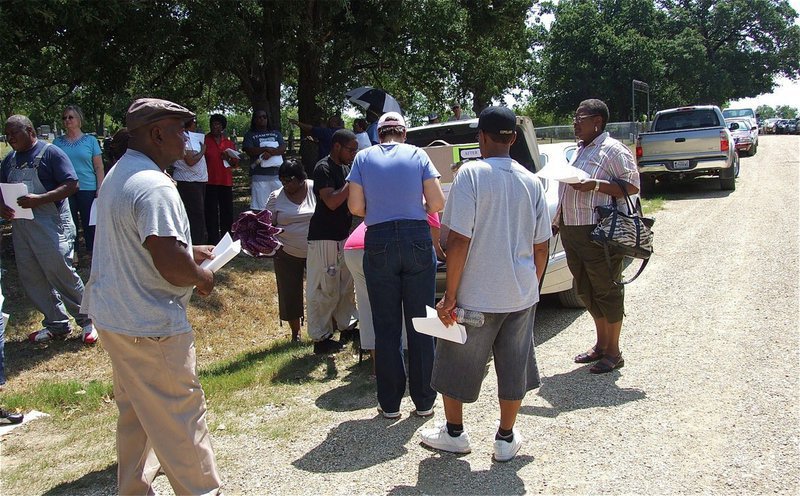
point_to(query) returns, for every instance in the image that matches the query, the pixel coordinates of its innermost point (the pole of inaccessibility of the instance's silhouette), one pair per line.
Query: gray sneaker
(505, 451)
(439, 438)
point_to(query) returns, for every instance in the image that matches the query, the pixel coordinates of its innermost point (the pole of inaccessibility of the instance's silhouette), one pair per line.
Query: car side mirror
(754, 128)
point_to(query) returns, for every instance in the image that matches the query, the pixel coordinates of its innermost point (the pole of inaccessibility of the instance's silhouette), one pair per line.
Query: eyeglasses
(580, 118)
(67, 117)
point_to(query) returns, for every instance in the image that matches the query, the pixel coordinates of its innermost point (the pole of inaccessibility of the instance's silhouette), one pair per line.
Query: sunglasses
(67, 117)
(580, 118)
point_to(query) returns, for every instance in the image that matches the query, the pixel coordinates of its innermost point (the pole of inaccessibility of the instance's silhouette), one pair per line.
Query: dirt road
(707, 401)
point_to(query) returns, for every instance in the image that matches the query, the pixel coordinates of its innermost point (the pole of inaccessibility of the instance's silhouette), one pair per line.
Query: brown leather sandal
(588, 357)
(607, 364)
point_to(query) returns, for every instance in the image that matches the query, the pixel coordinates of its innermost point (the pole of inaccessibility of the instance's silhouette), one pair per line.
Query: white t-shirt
(293, 218)
(363, 140)
(501, 206)
(197, 173)
(126, 293)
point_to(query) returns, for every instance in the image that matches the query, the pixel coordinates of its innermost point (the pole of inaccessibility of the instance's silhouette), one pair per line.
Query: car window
(687, 119)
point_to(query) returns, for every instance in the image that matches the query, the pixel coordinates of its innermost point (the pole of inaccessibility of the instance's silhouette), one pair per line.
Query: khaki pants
(162, 414)
(329, 289)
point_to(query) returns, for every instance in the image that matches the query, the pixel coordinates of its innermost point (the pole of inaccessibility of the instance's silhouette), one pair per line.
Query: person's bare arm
(99, 170)
(434, 196)
(192, 158)
(177, 265)
(333, 198)
(61, 192)
(356, 202)
(540, 254)
(457, 250)
(609, 188)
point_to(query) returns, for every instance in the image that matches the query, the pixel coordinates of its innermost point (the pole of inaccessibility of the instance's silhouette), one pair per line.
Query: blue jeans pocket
(376, 256)
(423, 253)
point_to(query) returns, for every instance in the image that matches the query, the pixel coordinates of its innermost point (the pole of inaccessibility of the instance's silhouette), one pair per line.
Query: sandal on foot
(607, 364)
(590, 356)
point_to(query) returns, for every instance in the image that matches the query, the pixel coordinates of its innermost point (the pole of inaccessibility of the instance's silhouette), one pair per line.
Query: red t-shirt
(218, 174)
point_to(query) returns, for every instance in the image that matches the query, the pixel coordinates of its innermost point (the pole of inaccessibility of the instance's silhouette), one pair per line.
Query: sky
(787, 92)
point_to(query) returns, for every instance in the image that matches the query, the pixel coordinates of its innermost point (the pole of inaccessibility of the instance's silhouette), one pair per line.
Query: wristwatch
(596, 185)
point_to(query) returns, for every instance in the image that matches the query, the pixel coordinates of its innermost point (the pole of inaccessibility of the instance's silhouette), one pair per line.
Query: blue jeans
(400, 269)
(80, 204)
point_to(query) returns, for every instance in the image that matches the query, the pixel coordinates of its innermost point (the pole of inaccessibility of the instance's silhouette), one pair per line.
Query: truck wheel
(647, 184)
(727, 177)
(570, 299)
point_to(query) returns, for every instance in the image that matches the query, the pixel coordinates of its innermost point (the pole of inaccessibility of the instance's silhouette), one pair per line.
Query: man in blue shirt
(43, 245)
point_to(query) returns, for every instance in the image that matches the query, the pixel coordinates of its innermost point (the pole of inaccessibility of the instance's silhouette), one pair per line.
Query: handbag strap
(628, 200)
(638, 272)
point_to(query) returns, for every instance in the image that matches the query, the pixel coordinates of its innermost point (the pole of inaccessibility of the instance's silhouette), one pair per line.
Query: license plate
(680, 164)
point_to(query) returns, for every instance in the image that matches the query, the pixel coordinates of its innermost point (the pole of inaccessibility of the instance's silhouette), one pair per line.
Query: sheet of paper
(275, 161)
(10, 194)
(195, 141)
(224, 252)
(93, 213)
(232, 153)
(432, 326)
(563, 173)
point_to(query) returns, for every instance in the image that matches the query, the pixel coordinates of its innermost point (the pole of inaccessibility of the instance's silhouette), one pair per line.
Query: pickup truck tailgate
(675, 145)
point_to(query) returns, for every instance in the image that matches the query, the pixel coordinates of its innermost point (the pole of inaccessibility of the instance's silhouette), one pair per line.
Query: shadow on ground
(552, 318)
(357, 392)
(98, 482)
(693, 189)
(337, 454)
(578, 389)
(449, 474)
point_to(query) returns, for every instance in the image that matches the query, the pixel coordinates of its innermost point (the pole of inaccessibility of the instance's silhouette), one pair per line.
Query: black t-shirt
(327, 224)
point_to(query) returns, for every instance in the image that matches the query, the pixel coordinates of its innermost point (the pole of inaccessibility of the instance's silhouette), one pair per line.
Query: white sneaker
(438, 438)
(45, 335)
(89, 334)
(423, 413)
(505, 451)
(388, 415)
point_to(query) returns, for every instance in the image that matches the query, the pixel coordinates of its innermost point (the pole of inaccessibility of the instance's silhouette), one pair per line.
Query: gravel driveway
(707, 401)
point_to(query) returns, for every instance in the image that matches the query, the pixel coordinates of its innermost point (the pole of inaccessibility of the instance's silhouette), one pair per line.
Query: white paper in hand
(93, 213)
(12, 191)
(195, 141)
(224, 252)
(432, 326)
(563, 174)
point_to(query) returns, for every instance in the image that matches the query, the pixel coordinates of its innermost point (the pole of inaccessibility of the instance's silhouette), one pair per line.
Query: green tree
(765, 112)
(594, 50)
(785, 112)
(720, 50)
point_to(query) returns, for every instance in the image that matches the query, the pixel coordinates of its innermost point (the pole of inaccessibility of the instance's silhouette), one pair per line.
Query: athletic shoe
(7, 417)
(423, 413)
(388, 415)
(327, 347)
(45, 335)
(505, 451)
(89, 334)
(439, 438)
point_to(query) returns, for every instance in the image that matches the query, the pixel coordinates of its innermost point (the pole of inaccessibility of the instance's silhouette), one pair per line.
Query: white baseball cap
(390, 119)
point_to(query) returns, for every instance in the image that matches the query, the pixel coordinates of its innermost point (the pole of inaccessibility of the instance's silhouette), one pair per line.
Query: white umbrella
(374, 99)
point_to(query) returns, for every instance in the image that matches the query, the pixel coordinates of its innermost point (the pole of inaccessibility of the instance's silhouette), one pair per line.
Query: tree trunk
(309, 58)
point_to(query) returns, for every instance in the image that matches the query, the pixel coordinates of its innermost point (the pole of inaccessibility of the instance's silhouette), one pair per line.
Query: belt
(270, 171)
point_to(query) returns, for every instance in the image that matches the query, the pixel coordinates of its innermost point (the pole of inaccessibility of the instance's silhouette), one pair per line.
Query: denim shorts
(458, 369)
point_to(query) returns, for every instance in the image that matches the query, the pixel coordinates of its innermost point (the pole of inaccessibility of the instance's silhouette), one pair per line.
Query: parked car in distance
(782, 126)
(769, 125)
(745, 136)
(684, 143)
(792, 127)
(450, 144)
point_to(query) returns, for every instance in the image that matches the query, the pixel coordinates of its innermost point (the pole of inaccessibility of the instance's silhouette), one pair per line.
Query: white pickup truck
(687, 142)
(452, 142)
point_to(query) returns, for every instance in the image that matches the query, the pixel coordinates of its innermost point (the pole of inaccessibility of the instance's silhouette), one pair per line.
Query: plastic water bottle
(471, 318)
(331, 270)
